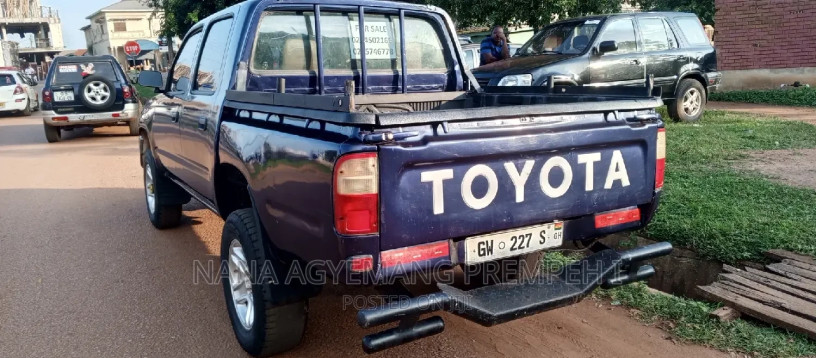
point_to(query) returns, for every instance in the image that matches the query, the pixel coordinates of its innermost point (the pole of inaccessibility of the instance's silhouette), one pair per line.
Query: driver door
(168, 108)
(624, 67)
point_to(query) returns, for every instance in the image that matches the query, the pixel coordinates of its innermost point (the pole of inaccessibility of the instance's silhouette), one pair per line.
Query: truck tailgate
(470, 180)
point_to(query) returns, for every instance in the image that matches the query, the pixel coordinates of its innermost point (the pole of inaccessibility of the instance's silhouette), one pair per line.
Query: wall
(765, 43)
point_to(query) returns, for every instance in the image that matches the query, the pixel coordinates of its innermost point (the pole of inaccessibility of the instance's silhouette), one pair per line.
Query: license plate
(63, 96)
(513, 242)
(83, 117)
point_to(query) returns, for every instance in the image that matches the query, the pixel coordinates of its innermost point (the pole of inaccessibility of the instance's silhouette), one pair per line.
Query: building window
(119, 26)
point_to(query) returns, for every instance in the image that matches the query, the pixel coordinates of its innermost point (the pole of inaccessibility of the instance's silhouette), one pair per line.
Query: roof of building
(124, 5)
(127, 5)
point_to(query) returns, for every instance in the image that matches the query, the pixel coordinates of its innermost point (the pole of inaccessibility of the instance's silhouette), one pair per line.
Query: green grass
(730, 215)
(690, 323)
(689, 320)
(145, 92)
(801, 96)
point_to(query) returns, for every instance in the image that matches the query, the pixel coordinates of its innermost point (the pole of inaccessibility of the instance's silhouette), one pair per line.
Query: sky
(73, 15)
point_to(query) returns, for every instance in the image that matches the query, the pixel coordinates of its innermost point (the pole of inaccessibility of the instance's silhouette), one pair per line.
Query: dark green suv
(618, 50)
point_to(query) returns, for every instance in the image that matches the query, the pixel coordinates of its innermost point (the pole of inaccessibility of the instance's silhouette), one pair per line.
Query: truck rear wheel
(52, 134)
(133, 125)
(261, 326)
(163, 213)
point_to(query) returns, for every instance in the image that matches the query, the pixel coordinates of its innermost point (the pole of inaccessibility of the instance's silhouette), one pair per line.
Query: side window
(653, 34)
(693, 30)
(469, 58)
(623, 33)
(286, 41)
(670, 33)
(182, 70)
(215, 46)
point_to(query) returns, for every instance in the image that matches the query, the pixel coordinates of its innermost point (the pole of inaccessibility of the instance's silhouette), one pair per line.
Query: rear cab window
(285, 44)
(692, 30)
(72, 73)
(7, 79)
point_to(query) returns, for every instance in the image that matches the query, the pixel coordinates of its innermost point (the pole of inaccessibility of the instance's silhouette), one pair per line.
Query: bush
(802, 96)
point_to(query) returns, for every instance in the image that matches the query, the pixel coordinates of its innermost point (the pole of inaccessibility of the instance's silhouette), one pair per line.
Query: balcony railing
(129, 35)
(28, 13)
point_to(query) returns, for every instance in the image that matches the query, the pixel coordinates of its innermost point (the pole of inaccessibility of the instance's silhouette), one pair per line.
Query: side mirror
(151, 79)
(607, 46)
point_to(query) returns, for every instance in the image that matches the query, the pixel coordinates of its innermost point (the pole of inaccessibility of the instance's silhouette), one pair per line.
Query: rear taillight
(660, 167)
(46, 96)
(356, 194)
(127, 92)
(617, 217)
(414, 254)
(19, 90)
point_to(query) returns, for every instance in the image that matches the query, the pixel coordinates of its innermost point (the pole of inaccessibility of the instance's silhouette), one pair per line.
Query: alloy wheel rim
(692, 102)
(241, 285)
(150, 189)
(97, 92)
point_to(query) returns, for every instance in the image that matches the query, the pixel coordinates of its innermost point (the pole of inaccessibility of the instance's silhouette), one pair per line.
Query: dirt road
(84, 274)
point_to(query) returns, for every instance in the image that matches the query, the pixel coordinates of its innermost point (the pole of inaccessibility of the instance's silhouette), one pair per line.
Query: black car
(618, 49)
(87, 91)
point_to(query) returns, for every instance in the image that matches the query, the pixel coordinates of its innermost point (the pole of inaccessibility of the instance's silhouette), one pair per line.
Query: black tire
(676, 108)
(104, 85)
(275, 327)
(52, 134)
(27, 111)
(165, 212)
(134, 126)
(513, 269)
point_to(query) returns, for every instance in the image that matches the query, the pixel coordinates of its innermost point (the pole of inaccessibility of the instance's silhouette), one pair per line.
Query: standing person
(494, 48)
(31, 72)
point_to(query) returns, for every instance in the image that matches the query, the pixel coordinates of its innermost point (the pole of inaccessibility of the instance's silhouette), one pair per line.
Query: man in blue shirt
(494, 48)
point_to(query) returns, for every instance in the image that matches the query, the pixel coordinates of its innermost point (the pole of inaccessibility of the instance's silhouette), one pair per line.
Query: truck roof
(366, 3)
(627, 14)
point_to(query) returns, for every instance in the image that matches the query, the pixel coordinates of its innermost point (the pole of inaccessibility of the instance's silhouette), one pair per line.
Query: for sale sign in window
(380, 43)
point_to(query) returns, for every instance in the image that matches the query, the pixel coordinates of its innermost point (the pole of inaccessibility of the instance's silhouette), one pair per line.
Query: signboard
(380, 43)
(132, 48)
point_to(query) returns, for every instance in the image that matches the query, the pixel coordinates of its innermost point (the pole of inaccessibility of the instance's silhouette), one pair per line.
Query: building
(38, 26)
(765, 43)
(127, 20)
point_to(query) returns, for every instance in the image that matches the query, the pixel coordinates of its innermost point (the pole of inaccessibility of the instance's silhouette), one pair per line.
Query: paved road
(84, 274)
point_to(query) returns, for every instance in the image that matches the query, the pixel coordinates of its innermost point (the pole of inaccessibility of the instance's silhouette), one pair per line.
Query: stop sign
(132, 48)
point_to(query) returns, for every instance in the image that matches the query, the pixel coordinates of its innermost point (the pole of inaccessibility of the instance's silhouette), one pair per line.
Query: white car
(16, 94)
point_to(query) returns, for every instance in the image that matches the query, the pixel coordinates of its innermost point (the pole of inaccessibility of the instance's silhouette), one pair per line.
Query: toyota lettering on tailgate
(518, 177)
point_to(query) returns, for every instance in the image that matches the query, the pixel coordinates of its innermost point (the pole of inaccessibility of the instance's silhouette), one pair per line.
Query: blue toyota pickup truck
(346, 137)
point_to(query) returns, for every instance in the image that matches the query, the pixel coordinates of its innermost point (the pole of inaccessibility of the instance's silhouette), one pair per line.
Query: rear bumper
(18, 103)
(491, 305)
(714, 80)
(130, 112)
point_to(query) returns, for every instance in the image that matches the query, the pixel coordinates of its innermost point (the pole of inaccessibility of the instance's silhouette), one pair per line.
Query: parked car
(16, 95)
(620, 49)
(370, 173)
(88, 91)
(473, 56)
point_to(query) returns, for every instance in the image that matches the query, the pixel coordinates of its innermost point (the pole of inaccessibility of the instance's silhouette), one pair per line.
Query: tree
(535, 13)
(181, 15)
(703, 8)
